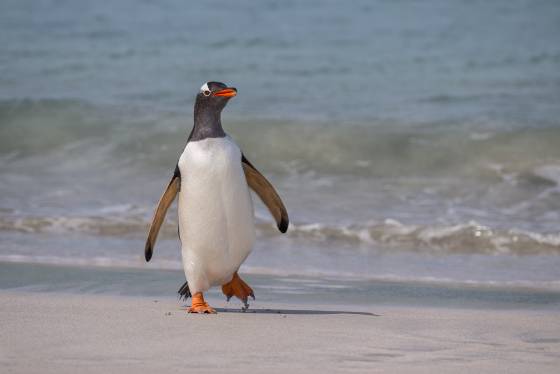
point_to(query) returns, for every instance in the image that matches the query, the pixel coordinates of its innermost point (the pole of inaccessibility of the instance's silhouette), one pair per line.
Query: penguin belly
(216, 222)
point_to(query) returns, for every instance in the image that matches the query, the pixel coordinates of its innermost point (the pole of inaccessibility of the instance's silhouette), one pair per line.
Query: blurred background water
(412, 141)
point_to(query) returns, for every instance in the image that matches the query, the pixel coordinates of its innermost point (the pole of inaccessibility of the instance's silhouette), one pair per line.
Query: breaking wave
(464, 238)
(149, 141)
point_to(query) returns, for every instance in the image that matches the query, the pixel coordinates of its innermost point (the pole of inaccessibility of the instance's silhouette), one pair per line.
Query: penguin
(216, 220)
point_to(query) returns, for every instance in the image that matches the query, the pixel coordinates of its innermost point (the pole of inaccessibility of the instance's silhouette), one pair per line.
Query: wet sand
(61, 333)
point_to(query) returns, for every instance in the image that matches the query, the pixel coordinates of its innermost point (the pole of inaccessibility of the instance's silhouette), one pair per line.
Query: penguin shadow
(294, 312)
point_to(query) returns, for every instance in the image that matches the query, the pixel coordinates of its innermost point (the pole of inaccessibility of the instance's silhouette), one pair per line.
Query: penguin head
(214, 95)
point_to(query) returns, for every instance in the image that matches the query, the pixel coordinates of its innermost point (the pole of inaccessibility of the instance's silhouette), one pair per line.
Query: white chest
(216, 221)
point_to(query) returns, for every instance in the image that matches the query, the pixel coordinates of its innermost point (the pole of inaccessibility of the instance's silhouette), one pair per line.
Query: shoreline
(64, 333)
(156, 283)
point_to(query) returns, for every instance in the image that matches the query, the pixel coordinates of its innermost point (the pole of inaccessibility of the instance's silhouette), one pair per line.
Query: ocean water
(412, 142)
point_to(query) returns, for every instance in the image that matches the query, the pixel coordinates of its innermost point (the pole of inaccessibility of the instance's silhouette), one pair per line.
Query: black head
(210, 101)
(214, 95)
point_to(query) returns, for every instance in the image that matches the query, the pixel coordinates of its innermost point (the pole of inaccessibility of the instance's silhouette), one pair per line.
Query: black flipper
(258, 183)
(161, 210)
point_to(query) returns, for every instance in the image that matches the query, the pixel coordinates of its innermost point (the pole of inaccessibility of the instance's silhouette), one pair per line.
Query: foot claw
(238, 288)
(206, 309)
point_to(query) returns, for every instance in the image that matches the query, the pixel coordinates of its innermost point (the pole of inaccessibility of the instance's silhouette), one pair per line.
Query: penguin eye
(206, 92)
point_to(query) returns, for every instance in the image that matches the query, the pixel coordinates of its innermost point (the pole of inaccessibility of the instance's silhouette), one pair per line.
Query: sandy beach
(413, 144)
(63, 333)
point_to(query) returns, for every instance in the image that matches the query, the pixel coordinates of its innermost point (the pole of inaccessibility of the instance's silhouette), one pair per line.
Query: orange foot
(198, 305)
(238, 288)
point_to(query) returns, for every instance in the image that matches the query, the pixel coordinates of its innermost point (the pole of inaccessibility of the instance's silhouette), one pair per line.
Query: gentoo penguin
(216, 222)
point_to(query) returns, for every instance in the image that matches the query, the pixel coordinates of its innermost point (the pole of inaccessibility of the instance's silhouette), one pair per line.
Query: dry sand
(54, 333)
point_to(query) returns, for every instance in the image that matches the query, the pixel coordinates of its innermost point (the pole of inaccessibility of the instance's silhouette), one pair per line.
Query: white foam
(549, 172)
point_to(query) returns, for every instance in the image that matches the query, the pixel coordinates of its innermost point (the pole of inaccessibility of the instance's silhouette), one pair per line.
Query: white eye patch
(205, 89)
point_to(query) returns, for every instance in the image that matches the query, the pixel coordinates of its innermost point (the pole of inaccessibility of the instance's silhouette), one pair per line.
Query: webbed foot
(238, 288)
(199, 305)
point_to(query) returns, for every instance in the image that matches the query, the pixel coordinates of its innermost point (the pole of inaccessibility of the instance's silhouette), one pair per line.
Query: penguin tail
(184, 292)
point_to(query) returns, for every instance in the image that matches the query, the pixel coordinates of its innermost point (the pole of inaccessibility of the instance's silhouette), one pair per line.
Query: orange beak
(226, 92)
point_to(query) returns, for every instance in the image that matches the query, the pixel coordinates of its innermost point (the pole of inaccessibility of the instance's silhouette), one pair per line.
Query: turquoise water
(411, 141)
(449, 62)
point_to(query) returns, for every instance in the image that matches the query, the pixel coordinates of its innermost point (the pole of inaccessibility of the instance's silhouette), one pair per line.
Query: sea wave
(34, 129)
(470, 237)
(464, 238)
